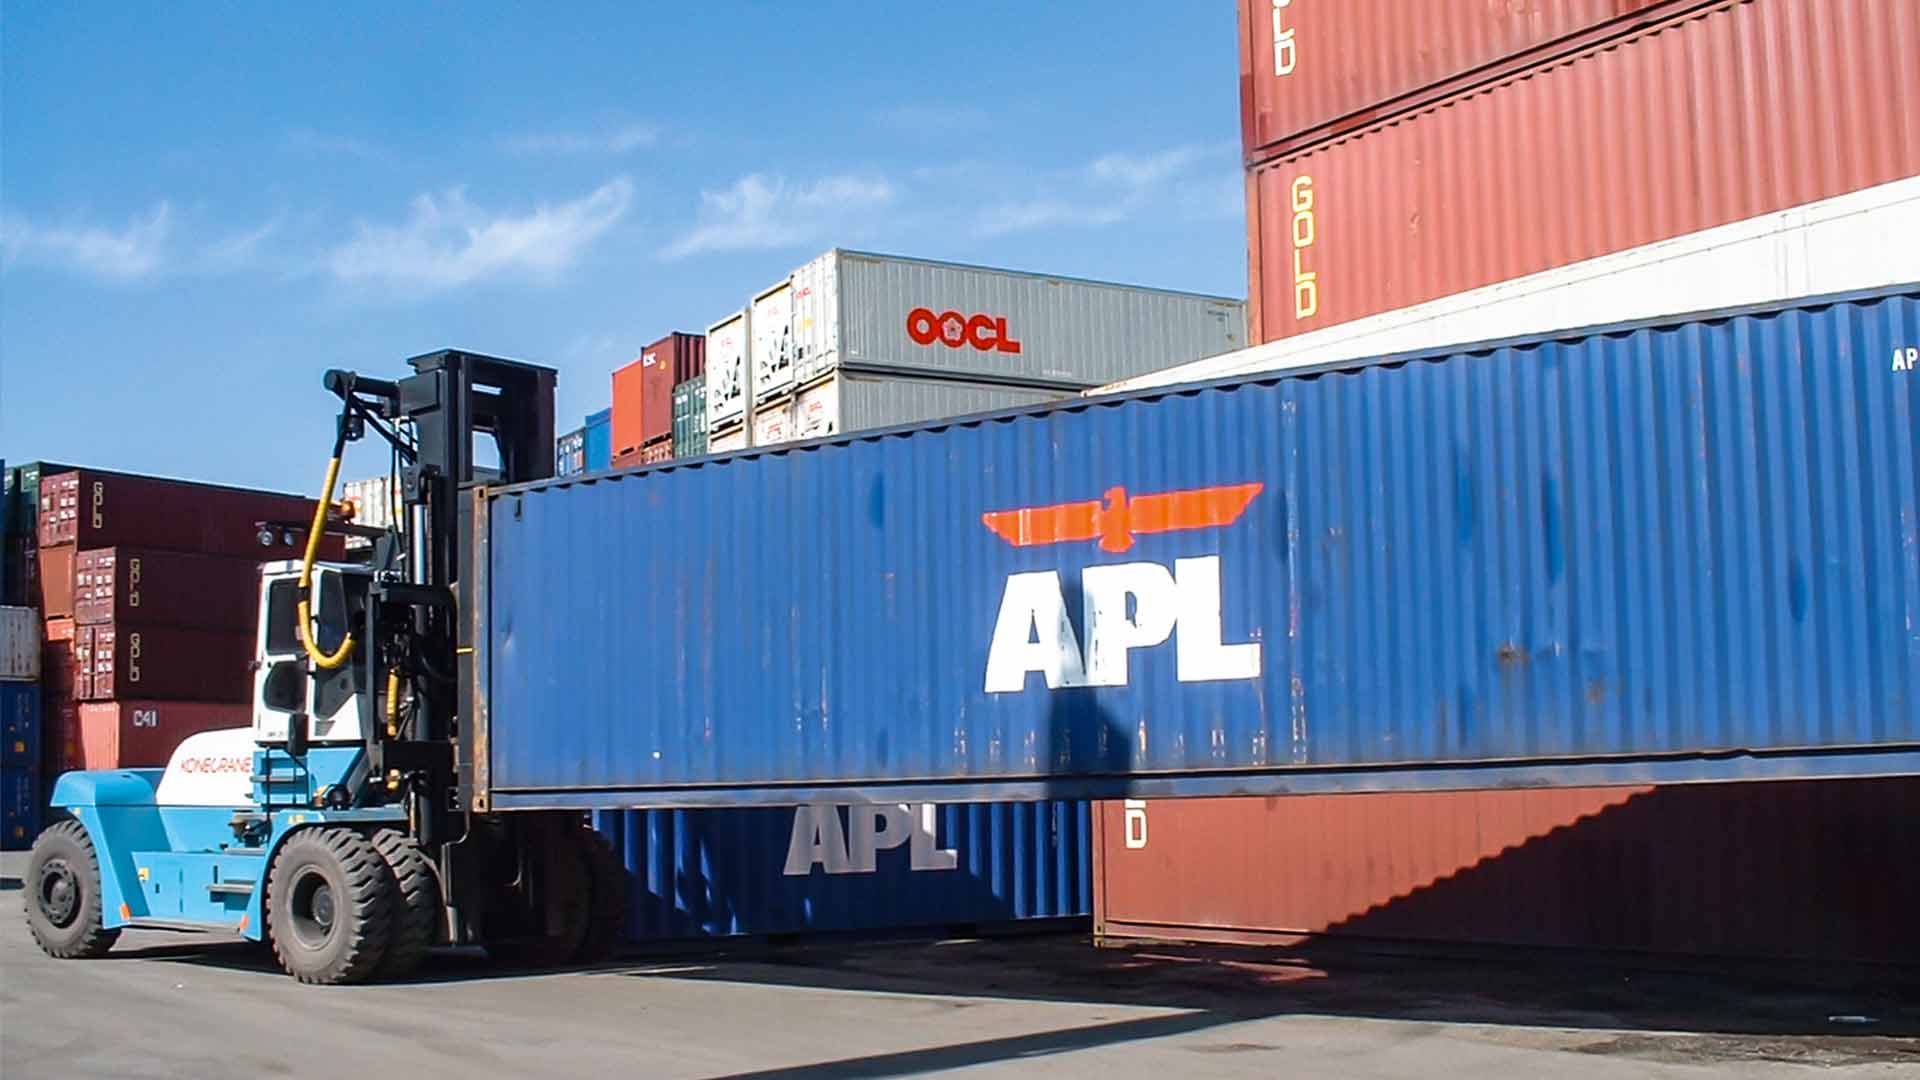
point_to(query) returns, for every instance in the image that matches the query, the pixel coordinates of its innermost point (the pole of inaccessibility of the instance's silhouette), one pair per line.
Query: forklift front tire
(330, 906)
(63, 894)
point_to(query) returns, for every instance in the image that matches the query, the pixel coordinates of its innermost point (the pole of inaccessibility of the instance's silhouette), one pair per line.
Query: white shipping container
(19, 644)
(373, 500)
(772, 337)
(1862, 240)
(729, 440)
(886, 314)
(729, 379)
(773, 423)
(846, 402)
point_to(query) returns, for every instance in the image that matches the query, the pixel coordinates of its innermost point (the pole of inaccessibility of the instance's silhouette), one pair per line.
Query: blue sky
(203, 206)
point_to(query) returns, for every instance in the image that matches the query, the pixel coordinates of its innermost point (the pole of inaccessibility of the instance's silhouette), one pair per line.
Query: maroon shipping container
(165, 588)
(144, 734)
(664, 365)
(55, 581)
(174, 663)
(627, 460)
(89, 509)
(656, 452)
(1310, 69)
(1719, 117)
(60, 746)
(1808, 869)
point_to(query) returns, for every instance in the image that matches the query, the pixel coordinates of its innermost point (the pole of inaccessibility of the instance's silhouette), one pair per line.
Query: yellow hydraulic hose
(393, 703)
(322, 660)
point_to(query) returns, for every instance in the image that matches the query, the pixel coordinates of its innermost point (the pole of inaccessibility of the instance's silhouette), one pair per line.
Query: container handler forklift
(339, 827)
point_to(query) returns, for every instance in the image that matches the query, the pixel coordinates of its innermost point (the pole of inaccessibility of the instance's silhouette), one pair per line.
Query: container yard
(869, 579)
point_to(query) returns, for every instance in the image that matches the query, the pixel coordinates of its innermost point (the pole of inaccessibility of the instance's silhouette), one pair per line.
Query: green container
(690, 418)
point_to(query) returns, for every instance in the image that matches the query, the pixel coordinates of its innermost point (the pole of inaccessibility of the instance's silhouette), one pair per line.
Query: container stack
(643, 398)
(22, 778)
(853, 341)
(1428, 175)
(147, 595)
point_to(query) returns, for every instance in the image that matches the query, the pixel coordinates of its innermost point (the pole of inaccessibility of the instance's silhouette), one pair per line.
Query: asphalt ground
(169, 1004)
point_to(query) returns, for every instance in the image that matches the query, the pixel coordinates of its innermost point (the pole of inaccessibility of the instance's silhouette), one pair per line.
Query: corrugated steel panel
(1812, 869)
(690, 417)
(599, 442)
(21, 808)
(55, 580)
(1851, 242)
(1309, 69)
(718, 873)
(175, 663)
(629, 408)
(19, 644)
(978, 323)
(1750, 109)
(729, 376)
(1683, 539)
(20, 723)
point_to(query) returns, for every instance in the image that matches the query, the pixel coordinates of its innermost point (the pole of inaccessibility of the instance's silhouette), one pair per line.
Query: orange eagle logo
(1122, 517)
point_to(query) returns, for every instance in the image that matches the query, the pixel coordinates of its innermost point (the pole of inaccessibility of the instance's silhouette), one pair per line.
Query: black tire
(607, 880)
(63, 894)
(330, 906)
(418, 913)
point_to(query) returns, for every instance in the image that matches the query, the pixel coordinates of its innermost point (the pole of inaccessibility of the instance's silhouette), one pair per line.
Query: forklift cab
(286, 685)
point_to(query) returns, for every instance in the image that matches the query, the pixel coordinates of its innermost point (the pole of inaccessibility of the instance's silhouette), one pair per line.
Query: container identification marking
(818, 838)
(1285, 53)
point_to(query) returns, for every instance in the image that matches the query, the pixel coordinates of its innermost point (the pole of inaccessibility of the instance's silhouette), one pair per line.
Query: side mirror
(297, 733)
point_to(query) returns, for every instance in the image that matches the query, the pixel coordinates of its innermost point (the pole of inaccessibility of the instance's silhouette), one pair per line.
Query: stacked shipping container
(853, 340)
(21, 774)
(148, 588)
(1685, 117)
(1420, 175)
(643, 397)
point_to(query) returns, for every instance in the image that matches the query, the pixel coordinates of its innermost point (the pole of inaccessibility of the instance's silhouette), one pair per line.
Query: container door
(817, 410)
(816, 321)
(727, 373)
(773, 342)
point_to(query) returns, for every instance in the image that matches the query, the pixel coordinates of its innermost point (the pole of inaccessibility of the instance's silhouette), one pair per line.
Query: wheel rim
(311, 909)
(59, 893)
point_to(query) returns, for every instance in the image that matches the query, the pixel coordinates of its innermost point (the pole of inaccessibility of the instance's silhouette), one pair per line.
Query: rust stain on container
(1804, 869)
(1710, 119)
(1307, 67)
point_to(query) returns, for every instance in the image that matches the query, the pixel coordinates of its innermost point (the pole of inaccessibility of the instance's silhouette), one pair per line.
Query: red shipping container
(55, 581)
(1309, 70)
(89, 509)
(627, 460)
(1743, 111)
(1806, 869)
(174, 663)
(144, 734)
(664, 365)
(165, 588)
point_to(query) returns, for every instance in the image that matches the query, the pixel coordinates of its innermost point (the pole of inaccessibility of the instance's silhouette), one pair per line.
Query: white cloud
(134, 252)
(447, 240)
(758, 211)
(620, 141)
(1117, 187)
(307, 140)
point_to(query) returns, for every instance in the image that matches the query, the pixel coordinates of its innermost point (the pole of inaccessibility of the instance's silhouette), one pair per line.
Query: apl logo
(987, 333)
(1125, 606)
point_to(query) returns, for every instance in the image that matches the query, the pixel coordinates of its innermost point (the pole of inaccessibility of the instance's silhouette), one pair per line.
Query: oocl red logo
(987, 333)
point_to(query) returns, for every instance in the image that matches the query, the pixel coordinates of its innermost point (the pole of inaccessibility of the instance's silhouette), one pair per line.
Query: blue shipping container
(19, 723)
(763, 870)
(599, 441)
(20, 808)
(1678, 550)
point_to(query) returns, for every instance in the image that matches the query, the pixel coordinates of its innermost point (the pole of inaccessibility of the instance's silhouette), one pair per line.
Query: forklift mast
(416, 635)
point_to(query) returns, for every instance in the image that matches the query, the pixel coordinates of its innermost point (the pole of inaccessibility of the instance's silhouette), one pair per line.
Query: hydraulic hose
(324, 660)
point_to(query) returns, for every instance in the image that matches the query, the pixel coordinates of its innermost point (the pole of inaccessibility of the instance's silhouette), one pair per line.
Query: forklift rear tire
(330, 904)
(63, 894)
(417, 915)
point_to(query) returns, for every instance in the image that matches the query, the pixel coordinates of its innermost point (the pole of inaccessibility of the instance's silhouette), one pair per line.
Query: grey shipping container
(845, 402)
(690, 417)
(887, 314)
